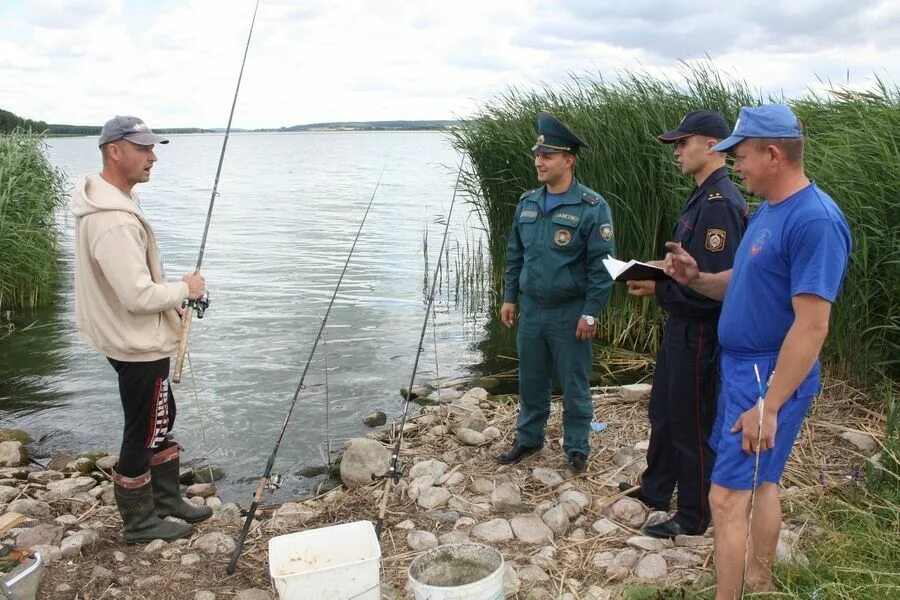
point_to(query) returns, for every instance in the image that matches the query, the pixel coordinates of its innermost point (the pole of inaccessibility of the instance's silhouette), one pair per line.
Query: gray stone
(406, 525)
(292, 515)
(190, 559)
(421, 540)
(547, 477)
(50, 554)
(15, 435)
(215, 543)
(533, 574)
(454, 537)
(204, 595)
(432, 467)
(119, 556)
(66, 520)
(635, 392)
(693, 541)
(100, 572)
(34, 509)
(13, 454)
(475, 421)
(651, 544)
(530, 529)
(577, 497)
(506, 497)
(622, 563)
(154, 546)
(604, 527)
(482, 486)
(79, 543)
(470, 437)
(362, 460)
(207, 474)
(465, 523)
(652, 567)
(680, 557)
(786, 550)
(214, 502)
(81, 465)
(557, 519)
(39, 535)
(597, 593)
(433, 497)
(418, 484)
(201, 490)
(63, 588)
(465, 506)
(578, 534)
(148, 583)
(642, 446)
(375, 419)
(8, 493)
(656, 516)
(446, 517)
(603, 560)
(538, 593)
(492, 433)
(169, 553)
(862, 442)
(418, 391)
(629, 512)
(476, 394)
(65, 489)
(45, 477)
(494, 531)
(444, 396)
(453, 479)
(107, 462)
(511, 583)
(254, 594)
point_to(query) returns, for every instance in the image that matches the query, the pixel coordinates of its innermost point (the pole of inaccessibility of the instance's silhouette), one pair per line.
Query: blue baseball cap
(766, 121)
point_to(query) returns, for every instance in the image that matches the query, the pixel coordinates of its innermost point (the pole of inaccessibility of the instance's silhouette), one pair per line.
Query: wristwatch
(591, 321)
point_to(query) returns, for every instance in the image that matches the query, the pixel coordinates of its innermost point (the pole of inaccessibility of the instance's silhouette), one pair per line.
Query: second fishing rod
(394, 471)
(264, 480)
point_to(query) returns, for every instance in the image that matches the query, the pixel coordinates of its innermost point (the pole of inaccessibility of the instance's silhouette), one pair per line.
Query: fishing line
(264, 480)
(393, 472)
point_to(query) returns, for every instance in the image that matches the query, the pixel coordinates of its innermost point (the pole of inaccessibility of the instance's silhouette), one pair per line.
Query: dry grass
(820, 461)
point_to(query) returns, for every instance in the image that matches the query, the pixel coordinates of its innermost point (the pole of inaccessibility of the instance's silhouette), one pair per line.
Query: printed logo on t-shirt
(159, 415)
(759, 241)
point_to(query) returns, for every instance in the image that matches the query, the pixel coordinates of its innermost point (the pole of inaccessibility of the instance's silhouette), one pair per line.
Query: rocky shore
(563, 536)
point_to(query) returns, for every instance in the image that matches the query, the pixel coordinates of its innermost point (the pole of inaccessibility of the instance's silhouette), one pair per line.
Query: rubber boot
(164, 477)
(134, 498)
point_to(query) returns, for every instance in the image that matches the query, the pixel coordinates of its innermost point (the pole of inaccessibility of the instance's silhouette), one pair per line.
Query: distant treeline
(57, 129)
(372, 126)
(10, 121)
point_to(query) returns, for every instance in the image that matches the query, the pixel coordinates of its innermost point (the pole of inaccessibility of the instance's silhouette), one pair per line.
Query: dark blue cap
(553, 136)
(766, 121)
(698, 122)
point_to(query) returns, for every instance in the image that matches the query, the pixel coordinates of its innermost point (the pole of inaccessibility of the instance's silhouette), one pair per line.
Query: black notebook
(633, 270)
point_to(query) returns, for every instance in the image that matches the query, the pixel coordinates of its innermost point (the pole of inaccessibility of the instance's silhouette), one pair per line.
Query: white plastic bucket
(447, 573)
(330, 563)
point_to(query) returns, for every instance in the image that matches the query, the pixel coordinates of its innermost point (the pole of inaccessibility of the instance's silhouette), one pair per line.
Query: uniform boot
(164, 476)
(134, 497)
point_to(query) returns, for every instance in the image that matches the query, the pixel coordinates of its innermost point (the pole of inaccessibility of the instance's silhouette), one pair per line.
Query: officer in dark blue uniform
(560, 234)
(683, 399)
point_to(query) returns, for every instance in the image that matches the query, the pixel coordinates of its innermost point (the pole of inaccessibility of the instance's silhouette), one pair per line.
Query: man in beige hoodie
(126, 310)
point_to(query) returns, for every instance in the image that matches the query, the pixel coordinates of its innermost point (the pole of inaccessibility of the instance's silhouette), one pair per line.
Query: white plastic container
(456, 561)
(330, 563)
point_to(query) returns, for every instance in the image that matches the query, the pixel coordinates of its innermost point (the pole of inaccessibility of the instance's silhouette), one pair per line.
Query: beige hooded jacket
(123, 306)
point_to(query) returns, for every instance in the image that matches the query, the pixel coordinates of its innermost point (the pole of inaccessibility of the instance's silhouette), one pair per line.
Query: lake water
(289, 208)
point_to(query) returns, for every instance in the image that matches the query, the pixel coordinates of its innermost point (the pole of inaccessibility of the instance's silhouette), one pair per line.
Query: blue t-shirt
(551, 201)
(797, 246)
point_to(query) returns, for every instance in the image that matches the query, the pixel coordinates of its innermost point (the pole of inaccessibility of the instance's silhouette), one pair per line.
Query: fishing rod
(202, 303)
(760, 406)
(264, 480)
(394, 470)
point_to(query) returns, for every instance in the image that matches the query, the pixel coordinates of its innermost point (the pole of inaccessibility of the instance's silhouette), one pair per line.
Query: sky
(175, 62)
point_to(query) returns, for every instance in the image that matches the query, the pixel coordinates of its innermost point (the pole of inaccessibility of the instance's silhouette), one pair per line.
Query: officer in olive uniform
(683, 399)
(561, 232)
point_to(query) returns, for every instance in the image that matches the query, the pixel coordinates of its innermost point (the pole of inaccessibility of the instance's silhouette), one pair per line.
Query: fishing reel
(199, 305)
(275, 481)
(396, 475)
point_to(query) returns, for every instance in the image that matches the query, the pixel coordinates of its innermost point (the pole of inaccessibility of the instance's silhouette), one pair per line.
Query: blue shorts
(733, 468)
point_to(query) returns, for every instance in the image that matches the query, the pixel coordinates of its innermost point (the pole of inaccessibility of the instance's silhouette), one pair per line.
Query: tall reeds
(853, 152)
(31, 190)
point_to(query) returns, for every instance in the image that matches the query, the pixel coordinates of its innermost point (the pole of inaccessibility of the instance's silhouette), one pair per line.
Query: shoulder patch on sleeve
(590, 198)
(528, 193)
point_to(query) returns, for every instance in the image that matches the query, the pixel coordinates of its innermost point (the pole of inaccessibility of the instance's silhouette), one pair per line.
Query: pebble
(530, 529)
(100, 572)
(433, 497)
(547, 477)
(78, 543)
(454, 537)
(506, 497)
(145, 583)
(465, 523)
(406, 525)
(693, 541)
(580, 499)
(652, 567)
(680, 557)
(189, 560)
(622, 563)
(492, 433)
(482, 486)
(629, 511)
(204, 595)
(202, 490)
(35, 509)
(119, 556)
(421, 540)
(434, 468)
(470, 437)
(215, 543)
(651, 544)
(494, 531)
(863, 442)
(254, 594)
(533, 574)
(557, 519)
(511, 583)
(154, 546)
(604, 527)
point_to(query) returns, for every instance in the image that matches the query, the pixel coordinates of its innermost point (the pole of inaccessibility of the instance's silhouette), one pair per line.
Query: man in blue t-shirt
(776, 305)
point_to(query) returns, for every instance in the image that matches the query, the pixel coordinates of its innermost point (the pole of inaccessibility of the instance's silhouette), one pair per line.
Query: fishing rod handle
(236, 555)
(186, 318)
(382, 509)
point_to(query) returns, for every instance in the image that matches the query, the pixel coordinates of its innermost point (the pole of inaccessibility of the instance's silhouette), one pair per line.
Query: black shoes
(624, 486)
(577, 461)
(516, 453)
(666, 530)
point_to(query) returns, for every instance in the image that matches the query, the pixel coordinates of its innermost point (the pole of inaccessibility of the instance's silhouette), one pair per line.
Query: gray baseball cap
(129, 128)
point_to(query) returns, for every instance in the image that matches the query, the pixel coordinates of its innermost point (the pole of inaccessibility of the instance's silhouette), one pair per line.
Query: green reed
(31, 191)
(852, 152)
